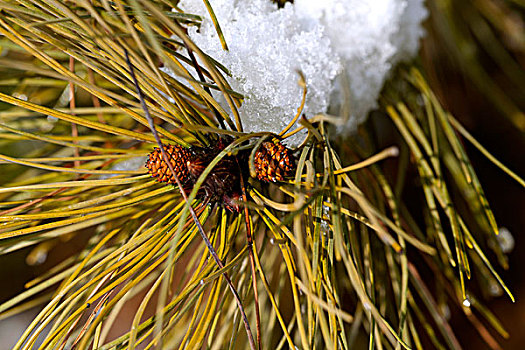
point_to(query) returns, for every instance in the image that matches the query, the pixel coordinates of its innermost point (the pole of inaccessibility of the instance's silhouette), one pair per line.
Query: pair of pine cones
(273, 162)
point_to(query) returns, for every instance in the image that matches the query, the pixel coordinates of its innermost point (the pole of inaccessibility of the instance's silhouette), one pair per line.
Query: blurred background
(472, 55)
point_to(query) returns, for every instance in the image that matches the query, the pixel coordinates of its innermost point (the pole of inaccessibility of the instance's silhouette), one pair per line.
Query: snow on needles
(322, 39)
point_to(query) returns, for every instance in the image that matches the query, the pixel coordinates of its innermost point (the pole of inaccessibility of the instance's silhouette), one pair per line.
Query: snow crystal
(322, 39)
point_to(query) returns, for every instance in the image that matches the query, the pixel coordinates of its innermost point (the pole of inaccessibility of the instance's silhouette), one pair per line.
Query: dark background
(502, 139)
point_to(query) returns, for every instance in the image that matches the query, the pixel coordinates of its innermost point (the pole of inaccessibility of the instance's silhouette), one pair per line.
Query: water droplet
(495, 290)
(37, 257)
(394, 152)
(20, 96)
(506, 240)
(445, 311)
(466, 302)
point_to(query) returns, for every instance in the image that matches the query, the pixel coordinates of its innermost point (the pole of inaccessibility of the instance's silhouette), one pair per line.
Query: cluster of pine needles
(332, 258)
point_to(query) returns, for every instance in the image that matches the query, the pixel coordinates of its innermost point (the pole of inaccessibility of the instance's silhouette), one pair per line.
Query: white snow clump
(322, 39)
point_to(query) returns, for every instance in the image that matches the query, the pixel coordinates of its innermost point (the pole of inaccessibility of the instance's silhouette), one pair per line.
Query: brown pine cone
(179, 157)
(273, 162)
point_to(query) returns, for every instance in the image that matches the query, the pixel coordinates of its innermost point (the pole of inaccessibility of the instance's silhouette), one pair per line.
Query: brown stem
(192, 212)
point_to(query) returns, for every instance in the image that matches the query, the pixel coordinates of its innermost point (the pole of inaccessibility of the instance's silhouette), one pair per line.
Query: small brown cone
(179, 158)
(273, 162)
